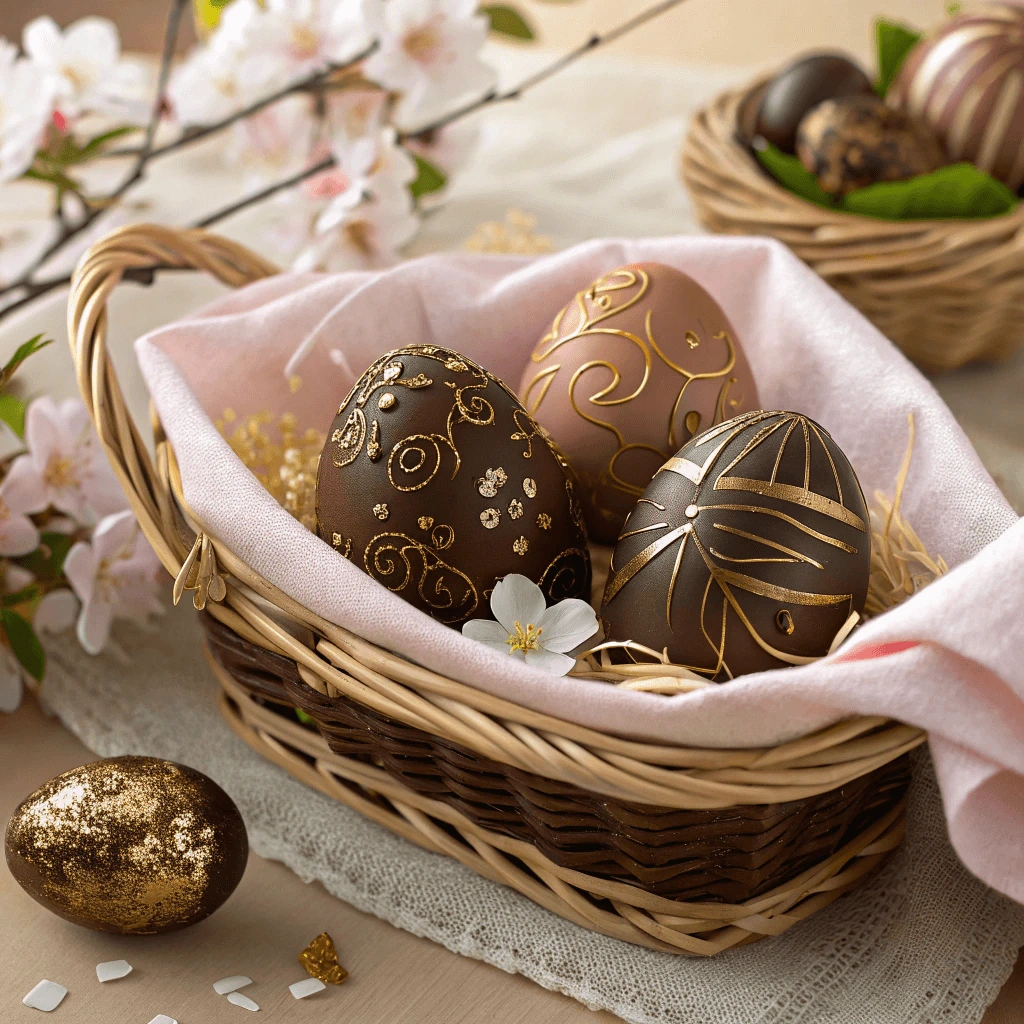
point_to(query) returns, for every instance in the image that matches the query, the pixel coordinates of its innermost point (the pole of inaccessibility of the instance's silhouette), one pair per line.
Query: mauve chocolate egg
(436, 482)
(800, 87)
(634, 366)
(966, 81)
(855, 141)
(749, 550)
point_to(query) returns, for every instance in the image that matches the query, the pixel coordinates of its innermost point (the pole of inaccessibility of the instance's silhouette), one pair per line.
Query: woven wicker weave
(495, 785)
(945, 291)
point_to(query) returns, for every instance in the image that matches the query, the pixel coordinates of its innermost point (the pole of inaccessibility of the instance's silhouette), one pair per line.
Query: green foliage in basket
(959, 191)
(892, 43)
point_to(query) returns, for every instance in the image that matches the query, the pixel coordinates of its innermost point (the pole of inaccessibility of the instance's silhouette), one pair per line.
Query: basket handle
(138, 252)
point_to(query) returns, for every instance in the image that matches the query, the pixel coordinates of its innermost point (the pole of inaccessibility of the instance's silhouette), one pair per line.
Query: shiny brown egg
(636, 364)
(133, 845)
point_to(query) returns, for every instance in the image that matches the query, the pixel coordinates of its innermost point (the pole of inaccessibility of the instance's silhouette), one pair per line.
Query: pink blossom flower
(115, 577)
(21, 494)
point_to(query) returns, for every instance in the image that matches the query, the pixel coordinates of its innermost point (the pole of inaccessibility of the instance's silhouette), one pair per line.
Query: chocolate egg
(637, 363)
(966, 81)
(133, 845)
(856, 141)
(799, 88)
(437, 483)
(749, 550)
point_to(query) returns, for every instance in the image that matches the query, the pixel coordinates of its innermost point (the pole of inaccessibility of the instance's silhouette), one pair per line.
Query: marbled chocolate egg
(633, 367)
(749, 550)
(966, 81)
(855, 141)
(436, 482)
(133, 845)
(799, 88)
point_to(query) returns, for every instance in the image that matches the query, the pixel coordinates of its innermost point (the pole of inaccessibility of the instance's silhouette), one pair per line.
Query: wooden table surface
(396, 977)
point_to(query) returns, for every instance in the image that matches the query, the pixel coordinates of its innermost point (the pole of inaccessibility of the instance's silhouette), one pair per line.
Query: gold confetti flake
(425, 522)
(491, 482)
(515, 509)
(521, 546)
(381, 510)
(320, 960)
(530, 487)
(489, 518)
(456, 365)
(387, 401)
(513, 235)
(544, 520)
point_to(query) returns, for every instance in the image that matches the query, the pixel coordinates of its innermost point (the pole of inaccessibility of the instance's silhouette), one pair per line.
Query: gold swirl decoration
(450, 594)
(759, 524)
(566, 575)
(622, 378)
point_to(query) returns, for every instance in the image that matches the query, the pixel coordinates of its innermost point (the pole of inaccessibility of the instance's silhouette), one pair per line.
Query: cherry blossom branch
(147, 152)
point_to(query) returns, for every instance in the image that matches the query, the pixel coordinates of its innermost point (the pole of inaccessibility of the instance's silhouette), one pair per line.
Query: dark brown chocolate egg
(436, 482)
(749, 550)
(857, 141)
(799, 88)
(639, 362)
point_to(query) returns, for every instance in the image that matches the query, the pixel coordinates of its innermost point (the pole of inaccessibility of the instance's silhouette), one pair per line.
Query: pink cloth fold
(947, 660)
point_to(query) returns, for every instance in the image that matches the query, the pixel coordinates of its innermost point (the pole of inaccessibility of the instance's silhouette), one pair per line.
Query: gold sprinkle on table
(320, 959)
(513, 235)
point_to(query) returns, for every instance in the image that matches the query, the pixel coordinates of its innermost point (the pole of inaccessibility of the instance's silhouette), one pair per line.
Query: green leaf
(12, 412)
(428, 178)
(506, 21)
(29, 593)
(47, 561)
(956, 192)
(790, 173)
(93, 146)
(304, 718)
(22, 353)
(893, 42)
(24, 642)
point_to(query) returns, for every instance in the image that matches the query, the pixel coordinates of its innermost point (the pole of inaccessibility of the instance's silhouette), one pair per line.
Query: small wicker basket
(681, 849)
(945, 291)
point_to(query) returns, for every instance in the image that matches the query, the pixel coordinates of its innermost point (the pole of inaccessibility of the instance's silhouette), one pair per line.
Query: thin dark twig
(170, 45)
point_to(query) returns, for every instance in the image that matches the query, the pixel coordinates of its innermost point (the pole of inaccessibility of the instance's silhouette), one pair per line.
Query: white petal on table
(306, 987)
(45, 996)
(244, 1001)
(111, 970)
(232, 984)
(162, 1018)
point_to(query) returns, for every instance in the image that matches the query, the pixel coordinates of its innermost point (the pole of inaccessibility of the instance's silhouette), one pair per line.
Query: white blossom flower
(12, 684)
(65, 457)
(114, 577)
(276, 142)
(21, 494)
(26, 109)
(429, 52)
(56, 611)
(84, 67)
(258, 48)
(529, 630)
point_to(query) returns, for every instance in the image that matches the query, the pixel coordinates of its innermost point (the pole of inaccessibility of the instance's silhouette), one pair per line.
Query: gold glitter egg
(132, 845)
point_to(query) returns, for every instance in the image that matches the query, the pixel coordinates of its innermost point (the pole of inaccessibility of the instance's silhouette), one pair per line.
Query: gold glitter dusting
(132, 845)
(320, 959)
(283, 460)
(294, 383)
(513, 235)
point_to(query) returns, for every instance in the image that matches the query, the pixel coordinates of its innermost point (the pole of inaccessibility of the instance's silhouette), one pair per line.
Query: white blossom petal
(11, 684)
(517, 599)
(550, 661)
(80, 569)
(487, 631)
(18, 534)
(94, 623)
(22, 489)
(567, 624)
(56, 611)
(17, 578)
(26, 109)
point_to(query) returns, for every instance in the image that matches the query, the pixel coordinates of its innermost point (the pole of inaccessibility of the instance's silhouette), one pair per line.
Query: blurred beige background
(717, 31)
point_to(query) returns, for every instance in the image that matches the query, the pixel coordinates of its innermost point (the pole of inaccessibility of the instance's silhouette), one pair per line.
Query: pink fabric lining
(948, 660)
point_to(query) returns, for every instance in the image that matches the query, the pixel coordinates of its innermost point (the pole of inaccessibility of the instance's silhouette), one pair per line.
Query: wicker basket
(686, 850)
(945, 291)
